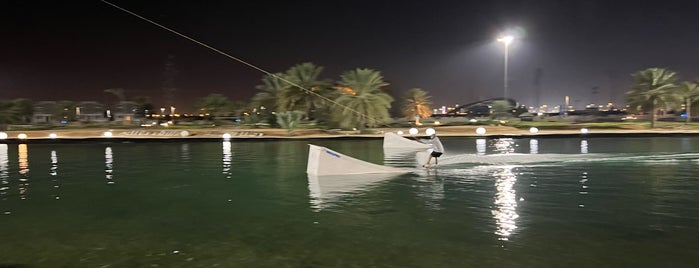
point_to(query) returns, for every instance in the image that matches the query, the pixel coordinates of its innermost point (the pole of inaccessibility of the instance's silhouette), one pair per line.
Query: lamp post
(507, 39)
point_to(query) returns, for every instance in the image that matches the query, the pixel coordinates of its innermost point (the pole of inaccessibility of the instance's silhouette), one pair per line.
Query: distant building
(125, 111)
(44, 112)
(91, 111)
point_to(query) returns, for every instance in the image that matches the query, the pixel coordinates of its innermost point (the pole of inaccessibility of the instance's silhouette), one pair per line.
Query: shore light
(507, 39)
(184, 133)
(22, 136)
(53, 136)
(400, 132)
(3, 135)
(107, 134)
(413, 131)
(480, 131)
(226, 136)
(584, 130)
(533, 130)
(430, 131)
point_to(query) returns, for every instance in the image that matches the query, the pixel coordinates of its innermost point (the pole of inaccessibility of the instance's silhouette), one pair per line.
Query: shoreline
(147, 134)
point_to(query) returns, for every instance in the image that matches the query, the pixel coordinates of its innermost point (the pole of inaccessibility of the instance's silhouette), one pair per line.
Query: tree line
(357, 100)
(654, 89)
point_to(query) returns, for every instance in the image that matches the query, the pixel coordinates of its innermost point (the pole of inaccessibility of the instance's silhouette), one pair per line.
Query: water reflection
(431, 188)
(533, 146)
(23, 157)
(480, 146)
(109, 165)
(53, 172)
(227, 159)
(505, 145)
(4, 174)
(325, 191)
(583, 146)
(184, 152)
(583, 189)
(505, 209)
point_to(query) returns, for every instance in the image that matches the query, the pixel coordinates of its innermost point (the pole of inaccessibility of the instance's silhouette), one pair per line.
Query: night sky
(57, 50)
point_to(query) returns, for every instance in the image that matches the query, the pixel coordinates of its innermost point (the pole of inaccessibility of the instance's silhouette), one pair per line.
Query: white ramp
(323, 161)
(393, 140)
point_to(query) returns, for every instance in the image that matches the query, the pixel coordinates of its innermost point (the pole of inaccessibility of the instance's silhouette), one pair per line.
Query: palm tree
(289, 120)
(144, 105)
(272, 86)
(304, 78)
(651, 89)
(501, 109)
(25, 109)
(689, 91)
(214, 104)
(9, 114)
(417, 105)
(363, 104)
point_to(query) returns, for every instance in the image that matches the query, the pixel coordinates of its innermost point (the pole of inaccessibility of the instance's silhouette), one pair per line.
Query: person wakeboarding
(436, 150)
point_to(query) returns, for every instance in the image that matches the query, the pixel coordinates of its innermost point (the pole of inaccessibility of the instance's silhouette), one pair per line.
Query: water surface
(602, 202)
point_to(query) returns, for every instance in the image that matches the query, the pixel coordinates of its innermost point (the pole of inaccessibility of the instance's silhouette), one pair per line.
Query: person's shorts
(436, 154)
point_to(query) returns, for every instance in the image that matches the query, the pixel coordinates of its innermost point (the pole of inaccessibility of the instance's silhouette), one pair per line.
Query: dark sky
(55, 50)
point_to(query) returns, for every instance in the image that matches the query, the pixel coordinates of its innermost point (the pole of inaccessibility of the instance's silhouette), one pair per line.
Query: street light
(507, 39)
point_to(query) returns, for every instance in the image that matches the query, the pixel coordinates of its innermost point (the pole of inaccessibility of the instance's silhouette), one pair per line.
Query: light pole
(507, 39)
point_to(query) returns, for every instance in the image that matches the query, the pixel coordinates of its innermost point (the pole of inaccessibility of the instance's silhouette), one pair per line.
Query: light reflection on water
(4, 176)
(505, 210)
(533, 146)
(481, 146)
(184, 152)
(53, 173)
(23, 160)
(227, 155)
(583, 147)
(109, 165)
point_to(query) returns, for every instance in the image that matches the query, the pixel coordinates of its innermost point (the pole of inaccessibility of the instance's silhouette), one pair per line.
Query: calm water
(602, 202)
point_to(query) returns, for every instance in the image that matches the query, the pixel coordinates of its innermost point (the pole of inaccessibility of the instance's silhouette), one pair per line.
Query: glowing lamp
(430, 131)
(226, 136)
(480, 131)
(184, 133)
(53, 135)
(584, 130)
(22, 136)
(533, 130)
(400, 132)
(413, 131)
(3, 135)
(107, 134)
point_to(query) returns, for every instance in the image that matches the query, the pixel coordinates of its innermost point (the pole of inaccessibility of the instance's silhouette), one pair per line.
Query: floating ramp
(323, 161)
(393, 140)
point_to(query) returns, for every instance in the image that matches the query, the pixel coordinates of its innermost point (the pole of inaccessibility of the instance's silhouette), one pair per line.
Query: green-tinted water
(565, 203)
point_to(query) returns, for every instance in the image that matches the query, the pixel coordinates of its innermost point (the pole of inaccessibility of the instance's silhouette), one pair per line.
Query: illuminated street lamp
(507, 39)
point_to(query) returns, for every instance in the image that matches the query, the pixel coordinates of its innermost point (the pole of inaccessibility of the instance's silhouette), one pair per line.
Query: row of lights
(479, 131)
(226, 136)
(106, 134)
(23, 136)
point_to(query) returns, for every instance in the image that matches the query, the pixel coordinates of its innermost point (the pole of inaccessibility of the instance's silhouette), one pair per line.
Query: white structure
(323, 161)
(393, 140)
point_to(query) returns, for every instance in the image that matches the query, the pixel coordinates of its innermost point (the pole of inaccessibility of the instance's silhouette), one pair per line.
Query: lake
(547, 202)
